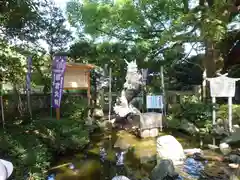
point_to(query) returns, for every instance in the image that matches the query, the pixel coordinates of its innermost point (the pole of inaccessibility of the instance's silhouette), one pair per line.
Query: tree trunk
(209, 61)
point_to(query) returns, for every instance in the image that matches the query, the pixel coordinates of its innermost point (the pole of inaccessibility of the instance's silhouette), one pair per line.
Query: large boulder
(164, 170)
(234, 138)
(169, 148)
(188, 127)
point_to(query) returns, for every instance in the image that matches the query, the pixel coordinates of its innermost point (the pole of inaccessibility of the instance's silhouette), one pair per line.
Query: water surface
(139, 160)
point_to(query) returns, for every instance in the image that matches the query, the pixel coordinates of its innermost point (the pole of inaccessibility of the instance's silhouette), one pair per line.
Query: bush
(222, 113)
(32, 147)
(200, 114)
(197, 113)
(192, 110)
(74, 107)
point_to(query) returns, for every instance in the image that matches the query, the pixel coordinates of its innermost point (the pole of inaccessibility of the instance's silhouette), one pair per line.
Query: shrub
(200, 113)
(222, 112)
(32, 147)
(74, 107)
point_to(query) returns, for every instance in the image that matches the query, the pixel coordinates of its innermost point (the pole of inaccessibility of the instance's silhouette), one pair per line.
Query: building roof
(80, 66)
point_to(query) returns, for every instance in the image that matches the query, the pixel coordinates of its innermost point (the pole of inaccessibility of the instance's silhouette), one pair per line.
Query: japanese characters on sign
(222, 86)
(154, 102)
(58, 70)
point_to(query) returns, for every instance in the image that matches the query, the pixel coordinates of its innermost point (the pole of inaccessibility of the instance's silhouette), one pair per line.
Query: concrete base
(148, 133)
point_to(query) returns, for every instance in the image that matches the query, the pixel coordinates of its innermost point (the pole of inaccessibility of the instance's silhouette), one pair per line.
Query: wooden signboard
(77, 77)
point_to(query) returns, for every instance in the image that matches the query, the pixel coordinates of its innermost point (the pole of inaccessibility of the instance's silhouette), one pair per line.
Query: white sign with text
(222, 86)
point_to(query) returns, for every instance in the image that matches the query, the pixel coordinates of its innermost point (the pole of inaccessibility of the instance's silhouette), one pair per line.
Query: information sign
(154, 102)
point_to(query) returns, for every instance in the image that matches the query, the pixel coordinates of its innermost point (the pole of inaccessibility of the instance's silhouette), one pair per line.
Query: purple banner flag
(58, 70)
(28, 77)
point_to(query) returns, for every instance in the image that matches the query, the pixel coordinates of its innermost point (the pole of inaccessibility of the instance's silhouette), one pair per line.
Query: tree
(55, 33)
(156, 24)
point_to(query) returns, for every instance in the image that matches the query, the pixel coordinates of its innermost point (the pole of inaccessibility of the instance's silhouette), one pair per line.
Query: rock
(153, 132)
(234, 166)
(234, 138)
(120, 178)
(220, 122)
(234, 158)
(98, 113)
(144, 133)
(163, 170)
(212, 147)
(219, 130)
(214, 172)
(150, 120)
(235, 127)
(169, 148)
(225, 148)
(188, 127)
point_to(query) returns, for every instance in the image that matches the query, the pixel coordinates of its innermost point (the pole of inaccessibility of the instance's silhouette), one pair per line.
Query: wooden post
(89, 121)
(163, 90)
(89, 88)
(214, 110)
(214, 116)
(2, 111)
(58, 113)
(230, 113)
(110, 95)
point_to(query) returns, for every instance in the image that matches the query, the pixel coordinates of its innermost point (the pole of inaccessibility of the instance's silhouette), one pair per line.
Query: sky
(61, 3)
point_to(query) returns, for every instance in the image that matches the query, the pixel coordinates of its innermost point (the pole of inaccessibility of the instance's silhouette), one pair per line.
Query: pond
(98, 160)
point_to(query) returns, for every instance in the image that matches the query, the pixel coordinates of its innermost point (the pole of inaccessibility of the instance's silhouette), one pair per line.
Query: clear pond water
(106, 157)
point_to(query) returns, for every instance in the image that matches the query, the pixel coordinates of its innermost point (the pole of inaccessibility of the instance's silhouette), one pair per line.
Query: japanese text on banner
(58, 68)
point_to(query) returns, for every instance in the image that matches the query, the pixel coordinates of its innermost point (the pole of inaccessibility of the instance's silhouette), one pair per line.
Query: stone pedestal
(148, 133)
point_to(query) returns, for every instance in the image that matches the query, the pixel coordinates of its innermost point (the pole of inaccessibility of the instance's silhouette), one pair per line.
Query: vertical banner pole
(89, 88)
(58, 70)
(2, 110)
(214, 110)
(110, 95)
(214, 116)
(28, 84)
(230, 113)
(163, 90)
(58, 113)
(51, 98)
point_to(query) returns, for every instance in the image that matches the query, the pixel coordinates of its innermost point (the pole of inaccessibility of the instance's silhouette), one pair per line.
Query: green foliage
(222, 112)
(32, 147)
(74, 107)
(198, 113)
(55, 33)
(194, 111)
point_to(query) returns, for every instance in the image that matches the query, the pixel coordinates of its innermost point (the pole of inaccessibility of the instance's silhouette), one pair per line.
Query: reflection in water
(193, 167)
(101, 161)
(120, 158)
(102, 154)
